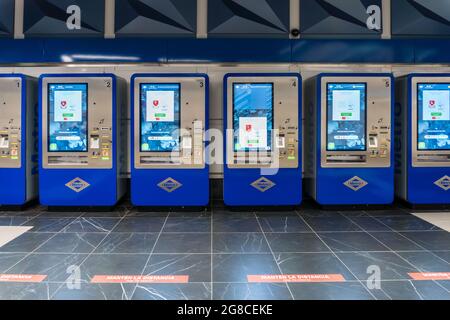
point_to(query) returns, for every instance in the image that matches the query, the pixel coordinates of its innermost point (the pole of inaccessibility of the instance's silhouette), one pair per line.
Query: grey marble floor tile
(244, 242)
(251, 291)
(296, 242)
(351, 241)
(196, 266)
(183, 243)
(92, 225)
(80, 242)
(330, 291)
(183, 291)
(125, 242)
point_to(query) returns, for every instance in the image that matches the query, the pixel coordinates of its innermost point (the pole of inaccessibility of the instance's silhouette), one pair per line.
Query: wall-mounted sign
(338, 19)
(6, 18)
(248, 18)
(156, 18)
(64, 18)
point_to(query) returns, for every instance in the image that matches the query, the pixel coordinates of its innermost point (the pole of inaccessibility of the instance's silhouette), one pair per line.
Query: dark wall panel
(428, 18)
(156, 18)
(48, 18)
(337, 18)
(248, 18)
(6, 18)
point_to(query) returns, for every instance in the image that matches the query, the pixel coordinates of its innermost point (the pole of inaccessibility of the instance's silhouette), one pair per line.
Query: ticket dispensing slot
(4, 141)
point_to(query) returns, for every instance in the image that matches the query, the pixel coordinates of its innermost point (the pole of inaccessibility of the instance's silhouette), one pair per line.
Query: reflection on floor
(9, 233)
(304, 254)
(440, 219)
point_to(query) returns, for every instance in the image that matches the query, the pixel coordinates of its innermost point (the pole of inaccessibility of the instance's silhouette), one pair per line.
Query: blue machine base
(13, 187)
(330, 188)
(102, 190)
(194, 190)
(421, 187)
(238, 190)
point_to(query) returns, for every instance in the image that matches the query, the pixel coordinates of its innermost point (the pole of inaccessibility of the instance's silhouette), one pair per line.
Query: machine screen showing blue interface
(252, 116)
(346, 116)
(160, 117)
(433, 116)
(67, 117)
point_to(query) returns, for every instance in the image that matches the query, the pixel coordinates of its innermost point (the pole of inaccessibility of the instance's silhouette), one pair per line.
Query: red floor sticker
(296, 278)
(22, 277)
(139, 279)
(430, 275)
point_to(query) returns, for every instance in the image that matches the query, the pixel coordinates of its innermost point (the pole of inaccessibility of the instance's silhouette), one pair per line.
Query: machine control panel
(169, 122)
(430, 125)
(263, 122)
(10, 122)
(78, 115)
(356, 121)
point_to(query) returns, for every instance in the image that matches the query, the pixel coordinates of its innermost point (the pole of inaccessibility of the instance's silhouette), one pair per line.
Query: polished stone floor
(215, 251)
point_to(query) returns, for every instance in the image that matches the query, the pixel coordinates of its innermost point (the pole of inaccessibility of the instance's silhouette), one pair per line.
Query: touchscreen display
(252, 116)
(433, 116)
(67, 117)
(346, 116)
(160, 117)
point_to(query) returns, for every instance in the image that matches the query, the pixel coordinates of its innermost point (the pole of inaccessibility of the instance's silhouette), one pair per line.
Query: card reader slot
(67, 161)
(346, 158)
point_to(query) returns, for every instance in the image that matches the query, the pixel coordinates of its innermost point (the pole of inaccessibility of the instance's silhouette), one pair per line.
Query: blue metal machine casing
(106, 186)
(19, 181)
(418, 181)
(285, 187)
(176, 185)
(367, 184)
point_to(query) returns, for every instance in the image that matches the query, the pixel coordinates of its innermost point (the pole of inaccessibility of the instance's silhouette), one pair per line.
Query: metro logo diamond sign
(77, 185)
(170, 185)
(356, 183)
(443, 183)
(263, 184)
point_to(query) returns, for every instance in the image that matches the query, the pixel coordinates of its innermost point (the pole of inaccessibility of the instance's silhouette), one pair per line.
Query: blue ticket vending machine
(262, 125)
(423, 139)
(348, 154)
(18, 133)
(169, 121)
(83, 139)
